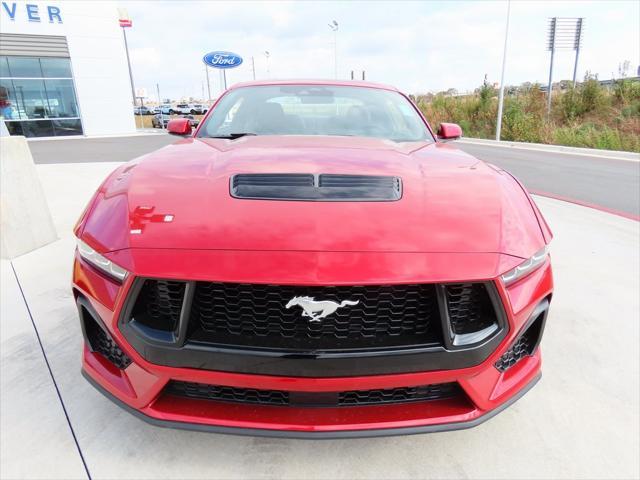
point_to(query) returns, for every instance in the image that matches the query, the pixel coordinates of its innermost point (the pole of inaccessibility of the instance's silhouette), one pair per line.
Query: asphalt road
(611, 184)
(608, 183)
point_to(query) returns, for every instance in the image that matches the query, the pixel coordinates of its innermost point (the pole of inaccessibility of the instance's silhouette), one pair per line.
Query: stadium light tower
(334, 26)
(564, 33)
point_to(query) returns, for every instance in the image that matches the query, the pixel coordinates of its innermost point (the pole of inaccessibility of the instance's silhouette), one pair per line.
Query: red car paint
(459, 220)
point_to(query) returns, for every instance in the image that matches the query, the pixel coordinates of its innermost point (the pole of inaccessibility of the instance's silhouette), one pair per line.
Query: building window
(37, 97)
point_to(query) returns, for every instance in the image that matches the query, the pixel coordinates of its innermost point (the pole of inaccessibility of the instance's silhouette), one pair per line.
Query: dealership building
(63, 69)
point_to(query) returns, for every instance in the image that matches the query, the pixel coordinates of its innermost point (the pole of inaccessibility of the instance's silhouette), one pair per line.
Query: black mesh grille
(470, 307)
(256, 315)
(525, 345)
(399, 395)
(228, 394)
(102, 343)
(278, 317)
(325, 399)
(520, 349)
(159, 303)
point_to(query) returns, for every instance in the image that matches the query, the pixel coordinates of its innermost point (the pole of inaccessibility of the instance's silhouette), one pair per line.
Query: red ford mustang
(312, 262)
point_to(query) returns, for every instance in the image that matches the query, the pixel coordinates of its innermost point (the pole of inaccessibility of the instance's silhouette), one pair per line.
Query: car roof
(347, 83)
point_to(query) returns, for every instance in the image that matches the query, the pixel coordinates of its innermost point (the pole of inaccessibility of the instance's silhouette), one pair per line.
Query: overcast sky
(416, 46)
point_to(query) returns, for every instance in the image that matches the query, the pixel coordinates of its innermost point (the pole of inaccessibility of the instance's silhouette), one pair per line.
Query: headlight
(526, 267)
(100, 262)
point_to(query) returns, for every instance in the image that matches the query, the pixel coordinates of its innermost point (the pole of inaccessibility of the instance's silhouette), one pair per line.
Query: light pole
(125, 22)
(267, 55)
(504, 62)
(334, 26)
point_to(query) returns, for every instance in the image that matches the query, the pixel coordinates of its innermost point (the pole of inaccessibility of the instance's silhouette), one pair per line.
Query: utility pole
(334, 26)
(504, 62)
(253, 67)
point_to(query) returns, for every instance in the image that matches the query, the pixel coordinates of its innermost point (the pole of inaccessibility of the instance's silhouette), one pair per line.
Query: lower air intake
(101, 342)
(351, 398)
(528, 341)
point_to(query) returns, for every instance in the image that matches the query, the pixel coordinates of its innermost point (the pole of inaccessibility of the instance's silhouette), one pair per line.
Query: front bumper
(140, 387)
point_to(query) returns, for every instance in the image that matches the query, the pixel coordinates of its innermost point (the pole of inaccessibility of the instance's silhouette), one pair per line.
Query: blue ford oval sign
(222, 60)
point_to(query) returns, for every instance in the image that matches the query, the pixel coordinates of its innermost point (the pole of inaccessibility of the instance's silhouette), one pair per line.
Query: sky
(417, 46)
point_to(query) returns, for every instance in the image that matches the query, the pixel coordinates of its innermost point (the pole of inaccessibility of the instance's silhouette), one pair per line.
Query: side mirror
(179, 126)
(449, 131)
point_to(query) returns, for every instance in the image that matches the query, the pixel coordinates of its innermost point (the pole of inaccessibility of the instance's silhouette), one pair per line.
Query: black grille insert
(159, 303)
(422, 393)
(101, 342)
(352, 398)
(309, 187)
(257, 316)
(527, 342)
(470, 307)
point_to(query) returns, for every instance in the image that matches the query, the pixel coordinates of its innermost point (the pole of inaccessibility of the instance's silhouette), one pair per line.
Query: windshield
(316, 110)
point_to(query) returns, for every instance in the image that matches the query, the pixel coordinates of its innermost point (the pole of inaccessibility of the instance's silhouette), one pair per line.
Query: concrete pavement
(609, 183)
(580, 421)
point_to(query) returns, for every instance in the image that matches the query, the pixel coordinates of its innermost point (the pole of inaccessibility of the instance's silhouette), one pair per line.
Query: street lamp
(504, 62)
(267, 55)
(334, 26)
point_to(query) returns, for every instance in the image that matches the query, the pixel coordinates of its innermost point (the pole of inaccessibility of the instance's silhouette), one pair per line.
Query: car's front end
(312, 286)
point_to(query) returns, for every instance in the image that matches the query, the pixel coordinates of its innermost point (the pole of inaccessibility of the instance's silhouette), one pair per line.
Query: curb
(582, 203)
(139, 133)
(586, 152)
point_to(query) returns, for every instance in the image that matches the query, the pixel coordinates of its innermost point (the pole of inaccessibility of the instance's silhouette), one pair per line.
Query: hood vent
(321, 188)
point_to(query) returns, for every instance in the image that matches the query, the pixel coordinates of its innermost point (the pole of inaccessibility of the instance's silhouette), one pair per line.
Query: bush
(585, 116)
(592, 95)
(589, 135)
(626, 91)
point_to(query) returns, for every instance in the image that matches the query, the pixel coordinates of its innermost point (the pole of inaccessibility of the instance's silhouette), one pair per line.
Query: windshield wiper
(233, 136)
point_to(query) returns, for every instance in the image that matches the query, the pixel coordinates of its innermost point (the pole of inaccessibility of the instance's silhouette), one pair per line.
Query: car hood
(179, 198)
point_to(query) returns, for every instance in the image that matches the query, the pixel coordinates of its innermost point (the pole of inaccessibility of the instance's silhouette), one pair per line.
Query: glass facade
(37, 97)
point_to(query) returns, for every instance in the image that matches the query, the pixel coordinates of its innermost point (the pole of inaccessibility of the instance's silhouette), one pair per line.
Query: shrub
(585, 116)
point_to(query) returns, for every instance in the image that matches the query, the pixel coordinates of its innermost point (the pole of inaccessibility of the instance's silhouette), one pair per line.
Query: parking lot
(580, 421)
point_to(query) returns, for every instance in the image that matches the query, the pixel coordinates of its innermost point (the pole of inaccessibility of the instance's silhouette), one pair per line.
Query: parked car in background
(192, 120)
(160, 120)
(199, 109)
(165, 108)
(183, 108)
(142, 110)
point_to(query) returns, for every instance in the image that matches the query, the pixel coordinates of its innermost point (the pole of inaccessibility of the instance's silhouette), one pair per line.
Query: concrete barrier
(25, 220)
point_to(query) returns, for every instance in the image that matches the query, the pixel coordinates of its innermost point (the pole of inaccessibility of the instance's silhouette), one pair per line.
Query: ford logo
(222, 60)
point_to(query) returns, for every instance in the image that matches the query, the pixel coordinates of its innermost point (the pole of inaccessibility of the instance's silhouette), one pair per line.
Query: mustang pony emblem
(318, 310)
